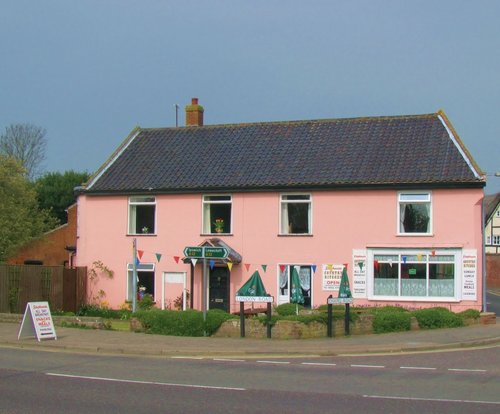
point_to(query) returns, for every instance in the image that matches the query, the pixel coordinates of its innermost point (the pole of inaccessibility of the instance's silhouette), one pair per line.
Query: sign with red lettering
(37, 318)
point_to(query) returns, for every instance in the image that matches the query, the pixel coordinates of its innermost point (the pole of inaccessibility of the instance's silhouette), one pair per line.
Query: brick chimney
(194, 113)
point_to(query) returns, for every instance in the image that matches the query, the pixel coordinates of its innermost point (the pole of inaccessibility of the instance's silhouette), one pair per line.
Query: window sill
(414, 299)
(415, 235)
(142, 234)
(215, 234)
(296, 235)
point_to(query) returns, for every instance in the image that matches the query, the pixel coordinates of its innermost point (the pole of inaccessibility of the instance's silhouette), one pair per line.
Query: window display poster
(359, 274)
(37, 318)
(332, 275)
(469, 275)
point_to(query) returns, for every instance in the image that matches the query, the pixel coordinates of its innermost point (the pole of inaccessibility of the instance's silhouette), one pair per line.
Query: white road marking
(144, 382)
(466, 370)
(431, 399)
(319, 364)
(185, 357)
(229, 360)
(367, 366)
(274, 362)
(422, 368)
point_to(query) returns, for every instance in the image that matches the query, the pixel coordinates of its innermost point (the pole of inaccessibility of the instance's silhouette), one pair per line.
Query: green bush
(433, 318)
(391, 321)
(181, 323)
(146, 302)
(470, 314)
(97, 311)
(288, 309)
(380, 309)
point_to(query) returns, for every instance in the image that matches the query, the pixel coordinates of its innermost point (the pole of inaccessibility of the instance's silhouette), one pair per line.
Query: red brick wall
(493, 271)
(50, 248)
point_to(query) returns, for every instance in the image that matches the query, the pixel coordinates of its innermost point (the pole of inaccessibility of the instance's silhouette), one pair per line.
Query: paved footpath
(129, 343)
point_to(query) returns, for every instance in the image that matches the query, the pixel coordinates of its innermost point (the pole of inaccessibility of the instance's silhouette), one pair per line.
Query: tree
(20, 218)
(55, 191)
(27, 144)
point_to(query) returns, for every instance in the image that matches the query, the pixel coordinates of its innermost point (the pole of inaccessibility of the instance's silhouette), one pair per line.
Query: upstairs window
(414, 213)
(217, 214)
(295, 214)
(141, 215)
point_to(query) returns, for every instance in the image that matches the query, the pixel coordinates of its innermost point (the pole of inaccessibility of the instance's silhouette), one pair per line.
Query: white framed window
(217, 214)
(285, 285)
(145, 280)
(141, 215)
(488, 239)
(496, 240)
(414, 274)
(414, 213)
(295, 214)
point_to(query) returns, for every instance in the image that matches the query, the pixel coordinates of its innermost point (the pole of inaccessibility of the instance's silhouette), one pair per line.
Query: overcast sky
(89, 71)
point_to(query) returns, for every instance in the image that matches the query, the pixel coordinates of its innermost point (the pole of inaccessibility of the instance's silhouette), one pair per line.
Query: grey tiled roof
(337, 153)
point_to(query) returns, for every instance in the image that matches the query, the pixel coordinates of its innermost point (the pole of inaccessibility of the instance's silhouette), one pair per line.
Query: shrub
(379, 309)
(146, 302)
(470, 314)
(181, 323)
(391, 321)
(288, 309)
(98, 311)
(433, 318)
(215, 318)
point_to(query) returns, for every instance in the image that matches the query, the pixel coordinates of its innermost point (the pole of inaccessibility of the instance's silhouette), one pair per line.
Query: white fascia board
(118, 153)
(460, 149)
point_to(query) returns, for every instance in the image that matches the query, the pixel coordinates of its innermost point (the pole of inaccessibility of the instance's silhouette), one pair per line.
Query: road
(444, 382)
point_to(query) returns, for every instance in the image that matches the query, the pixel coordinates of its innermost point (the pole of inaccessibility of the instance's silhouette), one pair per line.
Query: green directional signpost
(205, 252)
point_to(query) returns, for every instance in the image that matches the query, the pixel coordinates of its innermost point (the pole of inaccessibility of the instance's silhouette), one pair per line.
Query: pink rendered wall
(341, 221)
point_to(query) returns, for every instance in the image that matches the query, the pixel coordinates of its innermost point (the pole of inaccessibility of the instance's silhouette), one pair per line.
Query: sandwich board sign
(37, 318)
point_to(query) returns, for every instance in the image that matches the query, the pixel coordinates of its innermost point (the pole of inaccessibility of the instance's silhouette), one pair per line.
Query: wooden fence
(64, 289)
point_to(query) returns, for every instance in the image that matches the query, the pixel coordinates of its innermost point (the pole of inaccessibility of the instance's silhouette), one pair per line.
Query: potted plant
(219, 225)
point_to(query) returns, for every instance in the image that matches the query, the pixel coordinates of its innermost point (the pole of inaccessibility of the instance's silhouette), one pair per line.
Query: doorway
(218, 292)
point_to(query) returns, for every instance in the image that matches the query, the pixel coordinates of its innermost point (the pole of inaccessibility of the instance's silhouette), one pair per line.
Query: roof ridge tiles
(295, 122)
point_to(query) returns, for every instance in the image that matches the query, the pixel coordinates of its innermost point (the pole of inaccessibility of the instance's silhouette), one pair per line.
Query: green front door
(218, 296)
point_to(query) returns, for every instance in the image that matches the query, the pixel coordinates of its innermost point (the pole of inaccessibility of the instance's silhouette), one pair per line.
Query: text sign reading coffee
(206, 252)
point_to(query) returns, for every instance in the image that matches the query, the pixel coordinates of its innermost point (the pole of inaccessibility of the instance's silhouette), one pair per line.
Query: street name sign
(338, 301)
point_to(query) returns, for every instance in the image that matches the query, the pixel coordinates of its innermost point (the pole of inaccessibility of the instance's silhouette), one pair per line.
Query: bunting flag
(433, 253)
(176, 258)
(375, 263)
(247, 266)
(282, 268)
(230, 265)
(419, 257)
(361, 264)
(329, 267)
(212, 264)
(313, 268)
(264, 268)
(158, 257)
(137, 261)
(193, 261)
(404, 259)
(390, 261)
(345, 265)
(140, 253)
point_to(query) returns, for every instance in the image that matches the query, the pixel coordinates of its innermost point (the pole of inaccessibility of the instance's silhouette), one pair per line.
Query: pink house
(396, 199)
